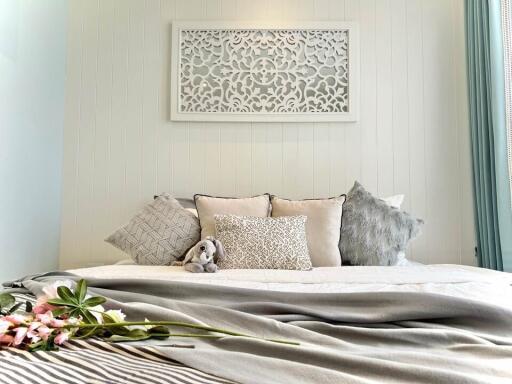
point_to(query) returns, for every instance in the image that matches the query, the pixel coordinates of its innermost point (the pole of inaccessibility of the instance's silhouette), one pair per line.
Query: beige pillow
(263, 242)
(208, 206)
(322, 228)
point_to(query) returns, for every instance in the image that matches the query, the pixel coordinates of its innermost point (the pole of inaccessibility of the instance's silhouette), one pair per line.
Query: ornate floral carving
(264, 71)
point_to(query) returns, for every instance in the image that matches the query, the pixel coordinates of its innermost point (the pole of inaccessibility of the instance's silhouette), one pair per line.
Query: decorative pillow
(208, 206)
(263, 242)
(322, 228)
(372, 232)
(159, 234)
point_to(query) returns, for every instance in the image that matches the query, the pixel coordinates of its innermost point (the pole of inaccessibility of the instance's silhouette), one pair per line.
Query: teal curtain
(488, 134)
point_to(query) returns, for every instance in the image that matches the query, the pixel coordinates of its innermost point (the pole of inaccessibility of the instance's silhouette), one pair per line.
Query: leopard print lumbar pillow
(263, 242)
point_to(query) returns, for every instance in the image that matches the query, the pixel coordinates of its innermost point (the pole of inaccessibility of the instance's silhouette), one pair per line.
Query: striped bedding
(80, 361)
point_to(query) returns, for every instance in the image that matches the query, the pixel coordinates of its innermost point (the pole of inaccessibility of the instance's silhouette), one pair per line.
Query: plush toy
(203, 256)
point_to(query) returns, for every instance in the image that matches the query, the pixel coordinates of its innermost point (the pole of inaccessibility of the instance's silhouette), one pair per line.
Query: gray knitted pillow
(372, 232)
(159, 234)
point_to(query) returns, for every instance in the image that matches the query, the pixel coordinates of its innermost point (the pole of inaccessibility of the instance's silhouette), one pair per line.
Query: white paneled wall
(412, 136)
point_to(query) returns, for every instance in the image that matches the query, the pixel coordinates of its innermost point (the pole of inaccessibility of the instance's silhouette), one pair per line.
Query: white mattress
(454, 280)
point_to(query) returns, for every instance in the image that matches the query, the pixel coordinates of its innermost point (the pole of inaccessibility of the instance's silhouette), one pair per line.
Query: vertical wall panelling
(417, 198)
(411, 138)
(384, 97)
(352, 139)
(368, 118)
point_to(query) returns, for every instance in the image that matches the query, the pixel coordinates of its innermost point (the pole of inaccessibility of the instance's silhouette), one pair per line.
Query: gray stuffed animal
(203, 256)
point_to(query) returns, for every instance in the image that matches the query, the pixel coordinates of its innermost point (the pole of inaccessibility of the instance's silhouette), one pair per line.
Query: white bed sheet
(454, 280)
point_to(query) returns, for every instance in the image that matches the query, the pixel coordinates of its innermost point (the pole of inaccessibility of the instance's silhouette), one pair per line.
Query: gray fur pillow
(372, 232)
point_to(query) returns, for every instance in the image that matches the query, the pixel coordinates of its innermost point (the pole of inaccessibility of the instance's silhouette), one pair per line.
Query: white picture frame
(178, 112)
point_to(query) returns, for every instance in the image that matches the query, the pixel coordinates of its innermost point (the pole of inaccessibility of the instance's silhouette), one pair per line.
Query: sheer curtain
(506, 21)
(490, 128)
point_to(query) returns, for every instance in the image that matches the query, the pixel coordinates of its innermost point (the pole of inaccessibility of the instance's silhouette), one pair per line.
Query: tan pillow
(263, 242)
(322, 227)
(208, 206)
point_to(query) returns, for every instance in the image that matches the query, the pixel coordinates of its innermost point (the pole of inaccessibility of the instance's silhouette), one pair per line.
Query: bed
(403, 324)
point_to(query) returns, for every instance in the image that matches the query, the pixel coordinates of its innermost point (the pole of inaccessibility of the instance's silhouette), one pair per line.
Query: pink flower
(43, 332)
(5, 325)
(45, 318)
(6, 339)
(38, 331)
(21, 332)
(43, 308)
(62, 337)
(34, 325)
(34, 337)
(32, 334)
(50, 292)
(56, 323)
(16, 319)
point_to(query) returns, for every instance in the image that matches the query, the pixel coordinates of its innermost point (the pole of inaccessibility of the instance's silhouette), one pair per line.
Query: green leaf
(121, 331)
(107, 318)
(88, 317)
(86, 333)
(66, 294)
(6, 300)
(94, 301)
(81, 290)
(114, 330)
(75, 312)
(43, 346)
(133, 335)
(160, 329)
(60, 311)
(61, 302)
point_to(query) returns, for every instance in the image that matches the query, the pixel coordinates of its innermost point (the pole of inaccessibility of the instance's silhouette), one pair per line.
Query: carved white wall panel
(227, 72)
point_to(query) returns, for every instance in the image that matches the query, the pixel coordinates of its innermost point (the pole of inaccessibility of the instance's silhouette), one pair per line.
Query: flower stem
(168, 323)
(179, 324)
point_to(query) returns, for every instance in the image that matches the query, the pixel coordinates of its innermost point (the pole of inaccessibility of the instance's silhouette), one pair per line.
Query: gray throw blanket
(379, 337)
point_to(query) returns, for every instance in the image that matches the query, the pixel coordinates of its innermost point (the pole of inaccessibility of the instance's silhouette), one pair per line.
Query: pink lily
(16, 319)
(50, 292)
(5, 325)
(43, 308)
(32, 334)
(62, 337)
(34, 325)
(57, 323)
(21, 332)
(43, 332)
(34, 338)
(45, 318)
